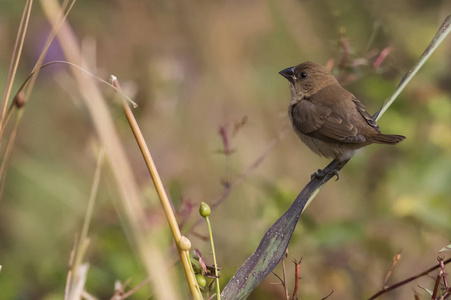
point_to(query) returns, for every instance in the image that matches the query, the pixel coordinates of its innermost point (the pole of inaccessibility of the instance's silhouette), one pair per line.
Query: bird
(330, 120)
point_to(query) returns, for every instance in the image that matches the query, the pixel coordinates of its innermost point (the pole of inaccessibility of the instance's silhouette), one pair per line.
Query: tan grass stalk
(27, 87)
(84, 241)
(132, 206)
(165, 202)
(15, 57)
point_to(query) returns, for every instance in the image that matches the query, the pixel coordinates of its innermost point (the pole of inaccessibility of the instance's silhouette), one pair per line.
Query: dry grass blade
(131, 203)
(70, 270)
(27, 86)
(15, 57)
(84, 241)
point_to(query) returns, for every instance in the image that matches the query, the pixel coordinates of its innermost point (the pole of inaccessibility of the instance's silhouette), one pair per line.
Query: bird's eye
(303, 75)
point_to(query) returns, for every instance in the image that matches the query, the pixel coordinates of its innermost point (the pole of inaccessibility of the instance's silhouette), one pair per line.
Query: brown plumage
(329, 120)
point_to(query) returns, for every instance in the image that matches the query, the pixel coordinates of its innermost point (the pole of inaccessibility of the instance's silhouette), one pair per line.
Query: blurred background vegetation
(194, 67)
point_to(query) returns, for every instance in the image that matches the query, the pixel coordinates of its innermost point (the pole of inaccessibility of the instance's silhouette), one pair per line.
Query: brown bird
(329, 120)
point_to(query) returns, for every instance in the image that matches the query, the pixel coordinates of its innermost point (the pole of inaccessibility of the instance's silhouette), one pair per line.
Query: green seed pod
(201, 281)
(204, 210)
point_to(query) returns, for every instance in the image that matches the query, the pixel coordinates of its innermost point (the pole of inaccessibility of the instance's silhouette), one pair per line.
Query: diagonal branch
(405, 281)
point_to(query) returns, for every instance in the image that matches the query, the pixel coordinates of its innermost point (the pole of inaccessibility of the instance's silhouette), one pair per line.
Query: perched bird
(329, 120)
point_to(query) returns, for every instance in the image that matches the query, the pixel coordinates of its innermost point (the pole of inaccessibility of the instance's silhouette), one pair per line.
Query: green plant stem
(84, 240)
(218, 290)
(441, 34)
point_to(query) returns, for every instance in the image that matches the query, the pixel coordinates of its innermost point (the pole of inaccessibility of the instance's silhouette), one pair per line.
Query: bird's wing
(361, 109)
(323, 123)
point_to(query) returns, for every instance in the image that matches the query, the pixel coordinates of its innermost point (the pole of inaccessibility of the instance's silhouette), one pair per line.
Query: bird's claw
(336, 174)
(320, 174)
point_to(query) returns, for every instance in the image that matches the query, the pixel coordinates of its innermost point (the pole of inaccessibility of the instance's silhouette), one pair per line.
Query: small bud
(19, 99)
(204, 210)
(184, 243)
(113, 81)
(201, 281)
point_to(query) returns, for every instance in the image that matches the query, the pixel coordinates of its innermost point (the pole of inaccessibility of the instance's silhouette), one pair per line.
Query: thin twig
(278, 277)
(136, 288)
(330, 294)
(416, 295)
(84, 240)
(405, 281)
(396, 259)
(441, 34)
(284, 273)
(381, 57)
(70, 269)
(443, 272)
(297, 277)
(228, 186)
(436, 286)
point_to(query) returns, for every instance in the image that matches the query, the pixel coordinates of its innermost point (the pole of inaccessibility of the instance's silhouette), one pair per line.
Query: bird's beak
(288, 73)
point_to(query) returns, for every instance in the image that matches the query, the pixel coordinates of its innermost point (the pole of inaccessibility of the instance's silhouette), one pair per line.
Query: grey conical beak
(288, 73)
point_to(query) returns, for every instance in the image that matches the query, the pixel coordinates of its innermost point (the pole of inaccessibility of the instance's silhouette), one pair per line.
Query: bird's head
(307, 78)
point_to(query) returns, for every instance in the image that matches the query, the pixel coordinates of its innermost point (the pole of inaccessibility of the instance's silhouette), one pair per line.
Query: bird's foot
(320, 174)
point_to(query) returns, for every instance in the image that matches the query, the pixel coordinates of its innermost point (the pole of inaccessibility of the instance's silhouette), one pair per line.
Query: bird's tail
(388, 138)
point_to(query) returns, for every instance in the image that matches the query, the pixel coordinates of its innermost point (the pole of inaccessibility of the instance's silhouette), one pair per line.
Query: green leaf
(275, 242)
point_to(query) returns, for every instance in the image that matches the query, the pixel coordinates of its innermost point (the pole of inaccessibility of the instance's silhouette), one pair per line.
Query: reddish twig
(225, 140)
(382, 56)
(436, 286)
(297, 277)
(405, 281)
(396, 259)
(443, 272)
(229, 185)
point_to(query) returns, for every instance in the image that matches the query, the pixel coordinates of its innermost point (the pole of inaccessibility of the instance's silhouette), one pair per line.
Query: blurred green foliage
(193, 67)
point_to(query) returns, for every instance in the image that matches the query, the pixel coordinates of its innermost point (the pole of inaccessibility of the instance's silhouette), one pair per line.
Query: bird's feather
(322, 119)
